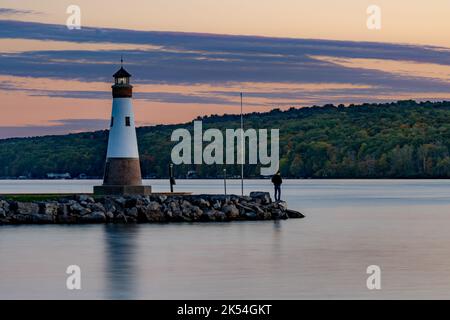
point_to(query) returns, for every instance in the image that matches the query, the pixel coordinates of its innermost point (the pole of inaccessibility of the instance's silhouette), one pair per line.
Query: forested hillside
(396, 140)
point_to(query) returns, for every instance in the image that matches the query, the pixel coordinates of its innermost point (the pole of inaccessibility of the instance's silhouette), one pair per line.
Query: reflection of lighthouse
(122, 169)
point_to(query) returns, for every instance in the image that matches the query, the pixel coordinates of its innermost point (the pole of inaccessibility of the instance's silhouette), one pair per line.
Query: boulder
(152, 212)
(294, 214)
(217, 205)
(196, 212)
(263, 196)
(282, 205)
(77, 208)
(257, 208)
(174, 207)
(167, 213)
(121, 218)
(219, 215)
(25, 208)
(145, 200)
(186, 207)
(266, 215)
(162, 198)
(134, 201)
(231, 211)
(4, 205)
(153, 206)
(49, 208)
(84, 198)
(243, 208)
(64, 215)
(109, 205)
(250, 215)
(109, 215)
(202, 203)
(63, 209)
(208, 215)
(278, 214)
(234, 199)
(120, 201)
(97, 206)
(132, 212)
(94, 217)
(119, 210)
(154, 216)
(191, 211)
(85, 211)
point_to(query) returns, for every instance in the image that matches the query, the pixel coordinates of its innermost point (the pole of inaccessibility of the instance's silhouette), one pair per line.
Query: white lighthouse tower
(122, 169)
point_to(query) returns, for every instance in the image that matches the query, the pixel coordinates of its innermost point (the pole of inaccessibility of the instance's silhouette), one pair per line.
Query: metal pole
(225, 180)
(171, 177)
(243, 148)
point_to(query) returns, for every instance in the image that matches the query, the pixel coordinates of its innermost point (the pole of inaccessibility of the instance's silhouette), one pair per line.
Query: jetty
(153, 208)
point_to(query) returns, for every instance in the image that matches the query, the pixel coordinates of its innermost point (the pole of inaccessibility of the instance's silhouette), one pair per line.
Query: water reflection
(120, 258)
(276, 243)
(276, 226)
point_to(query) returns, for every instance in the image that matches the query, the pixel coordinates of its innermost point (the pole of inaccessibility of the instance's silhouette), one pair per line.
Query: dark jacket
(276, 180)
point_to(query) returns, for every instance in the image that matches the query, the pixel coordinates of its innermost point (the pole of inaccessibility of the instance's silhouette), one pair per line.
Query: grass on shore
(56, 196)
(33, 197)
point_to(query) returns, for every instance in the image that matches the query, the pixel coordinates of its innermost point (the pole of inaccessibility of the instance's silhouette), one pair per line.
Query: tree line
(404, 139)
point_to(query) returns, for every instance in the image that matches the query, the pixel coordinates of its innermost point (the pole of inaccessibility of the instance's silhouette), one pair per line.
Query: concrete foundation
(122, 177)
(122, 172)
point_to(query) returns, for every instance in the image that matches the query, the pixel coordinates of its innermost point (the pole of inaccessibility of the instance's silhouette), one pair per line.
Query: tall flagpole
(242, 148)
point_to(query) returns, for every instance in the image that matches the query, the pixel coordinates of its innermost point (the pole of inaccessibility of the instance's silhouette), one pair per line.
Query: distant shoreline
(397, 140)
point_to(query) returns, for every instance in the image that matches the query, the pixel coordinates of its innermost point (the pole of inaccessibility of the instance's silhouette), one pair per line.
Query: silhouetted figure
(277, 181)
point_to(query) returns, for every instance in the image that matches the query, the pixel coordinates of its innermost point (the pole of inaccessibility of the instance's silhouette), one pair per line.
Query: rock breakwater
(155, 208)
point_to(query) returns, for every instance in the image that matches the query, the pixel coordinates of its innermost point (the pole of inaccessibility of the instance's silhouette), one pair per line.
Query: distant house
(59, 176)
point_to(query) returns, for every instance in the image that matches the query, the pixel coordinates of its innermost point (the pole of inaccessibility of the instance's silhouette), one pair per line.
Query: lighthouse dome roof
(122, 73)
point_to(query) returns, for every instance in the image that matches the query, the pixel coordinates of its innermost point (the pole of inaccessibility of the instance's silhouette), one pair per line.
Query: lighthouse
(122, 175)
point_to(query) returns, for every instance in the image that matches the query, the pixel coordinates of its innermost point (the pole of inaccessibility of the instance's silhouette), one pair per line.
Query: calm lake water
(401, 226)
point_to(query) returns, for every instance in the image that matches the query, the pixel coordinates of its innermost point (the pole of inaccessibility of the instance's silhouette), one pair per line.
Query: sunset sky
(193, 57)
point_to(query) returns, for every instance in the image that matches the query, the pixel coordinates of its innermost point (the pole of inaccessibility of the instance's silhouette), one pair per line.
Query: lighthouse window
(112, 121)
(122, 80)
(127, 121)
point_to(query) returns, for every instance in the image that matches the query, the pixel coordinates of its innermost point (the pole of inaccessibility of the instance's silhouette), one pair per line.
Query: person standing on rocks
(277, 181)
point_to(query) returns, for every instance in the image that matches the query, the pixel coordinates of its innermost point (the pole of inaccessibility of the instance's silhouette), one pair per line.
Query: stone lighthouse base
(122, 190)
